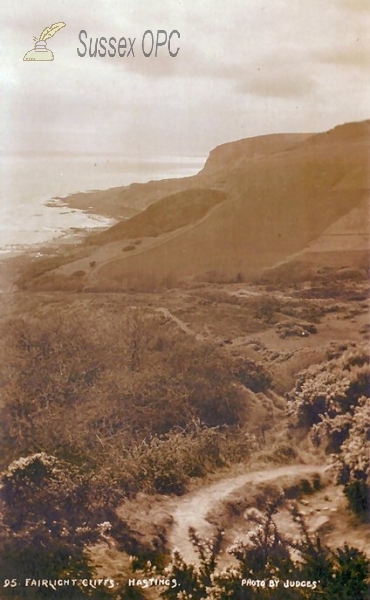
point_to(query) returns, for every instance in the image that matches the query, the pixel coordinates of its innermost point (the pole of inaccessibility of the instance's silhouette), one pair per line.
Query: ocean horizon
(30, 181)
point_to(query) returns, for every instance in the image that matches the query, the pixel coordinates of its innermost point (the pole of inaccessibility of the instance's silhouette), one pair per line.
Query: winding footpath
(191, 510)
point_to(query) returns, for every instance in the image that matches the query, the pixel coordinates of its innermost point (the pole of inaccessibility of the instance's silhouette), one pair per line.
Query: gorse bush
(66, 502)
(50, 512)
(333, 401)
(327, 389)
(268, 565)
(353, 464)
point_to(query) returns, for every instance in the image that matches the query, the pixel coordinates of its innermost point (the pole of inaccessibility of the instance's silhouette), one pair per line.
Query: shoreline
(126, 201)
(60, 237)
(12, 262)
(103, 208)
(69, 237)
(79, 201)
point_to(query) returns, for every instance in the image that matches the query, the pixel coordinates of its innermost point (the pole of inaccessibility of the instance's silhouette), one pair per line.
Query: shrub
(41, 491)
(292, 328)
(331, 388)
(265, 308)
(217, 402)
(353, 464)
(263, 556)
(79, 274)
(251, 374)
(165, 464)
(333, 401)
(50, 512)
(357, 493)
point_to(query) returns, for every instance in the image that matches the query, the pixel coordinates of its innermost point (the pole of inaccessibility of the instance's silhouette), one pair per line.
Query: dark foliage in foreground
(269, 565)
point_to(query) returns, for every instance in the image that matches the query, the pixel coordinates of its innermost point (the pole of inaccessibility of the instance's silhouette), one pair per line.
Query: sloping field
(256, 204)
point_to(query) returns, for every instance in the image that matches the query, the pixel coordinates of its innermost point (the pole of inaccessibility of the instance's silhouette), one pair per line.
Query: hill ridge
(269, 199)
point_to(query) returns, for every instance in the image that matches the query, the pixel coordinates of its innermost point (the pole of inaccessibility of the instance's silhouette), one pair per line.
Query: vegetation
(50, 511)
(97, 411)
(106, 400)
(85, 392)
(268, 564)
(333, 401)
(167, 214)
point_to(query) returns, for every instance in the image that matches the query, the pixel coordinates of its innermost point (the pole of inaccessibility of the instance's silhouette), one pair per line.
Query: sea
(29, 182)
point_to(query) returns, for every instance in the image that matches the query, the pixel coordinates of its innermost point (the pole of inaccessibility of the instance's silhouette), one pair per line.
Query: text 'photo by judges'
(184, 300)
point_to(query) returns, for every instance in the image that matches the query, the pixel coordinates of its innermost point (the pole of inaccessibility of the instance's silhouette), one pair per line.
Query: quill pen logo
(40, 51)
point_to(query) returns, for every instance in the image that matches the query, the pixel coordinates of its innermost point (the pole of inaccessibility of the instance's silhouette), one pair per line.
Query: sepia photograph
(184, 296)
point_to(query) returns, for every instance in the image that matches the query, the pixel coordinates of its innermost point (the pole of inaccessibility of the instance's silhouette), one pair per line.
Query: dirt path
(181, 324)
(192, 509)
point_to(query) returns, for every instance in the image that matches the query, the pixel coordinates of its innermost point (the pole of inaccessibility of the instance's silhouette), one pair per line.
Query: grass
(101, 422)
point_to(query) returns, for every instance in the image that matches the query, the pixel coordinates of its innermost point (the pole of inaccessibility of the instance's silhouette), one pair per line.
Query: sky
(244, 68)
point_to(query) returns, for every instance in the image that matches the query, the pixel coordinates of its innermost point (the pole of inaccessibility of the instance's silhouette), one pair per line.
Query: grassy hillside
(271, 198)
(275, 206)
(168, 214)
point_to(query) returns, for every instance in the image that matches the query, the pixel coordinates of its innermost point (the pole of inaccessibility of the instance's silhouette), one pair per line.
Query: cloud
(347, 57)
(359, 6)
(237, 60)
(286, 86)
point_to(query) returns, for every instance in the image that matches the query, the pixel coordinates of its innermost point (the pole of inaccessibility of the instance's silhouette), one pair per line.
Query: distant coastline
(26, 220)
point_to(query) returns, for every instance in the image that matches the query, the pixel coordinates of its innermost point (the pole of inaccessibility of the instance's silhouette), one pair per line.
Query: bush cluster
(50, 511)
(268, 564)
(333, 401)
(98, 410)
